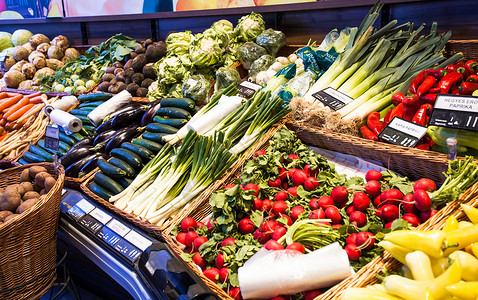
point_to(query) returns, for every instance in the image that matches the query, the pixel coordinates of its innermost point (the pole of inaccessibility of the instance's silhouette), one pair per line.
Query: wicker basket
(28, 242)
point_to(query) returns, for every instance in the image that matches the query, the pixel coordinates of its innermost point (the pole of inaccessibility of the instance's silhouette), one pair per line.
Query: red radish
(373, 175)
(260, 152)
(392, 196)
(219, 261)
(408, 204)
(325, 201)
(291, 172)
(299, 177)
(425, 184)
(284, 185)
(181, 238)
(267, 205)
(317, 214)
(333, 214)
(223, 274)
(246, 226)
(273, 245)
(293, 156)
(376, 202)
(199, 241)
(200, 225)
(336, 226)
(340, 194)
(311, 183)
(352, 252)
(311, 295)
(412, 219)
(389, 212)
(296, 246)
(228, 241)
(281, 196)
(350, 210)
(279, 231)
(282, 174)
(425, 215)
(235, 293)
(373, 188)
(188, 224)
(422, 200)
(262, 237)
(275, 183)
(314, 203)
(295, 212)
(351, 239)
(323, 223)
(279, 207)
(313, 172)
(252, 186)
(257, 204)
(210, 225)
(365, 240)
(211, 274)
(388, 225)
(359, 218)
(268, 226)
(190, 237)
(288, 219)
(198, 260)
(229, 186)
(277, 298)
(361, 201)
(292, 191)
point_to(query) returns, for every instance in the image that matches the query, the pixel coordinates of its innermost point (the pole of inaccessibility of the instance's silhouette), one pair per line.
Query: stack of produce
(288, 197)
(34, 57)
(437, 264)
(15, 199)
(137, 74)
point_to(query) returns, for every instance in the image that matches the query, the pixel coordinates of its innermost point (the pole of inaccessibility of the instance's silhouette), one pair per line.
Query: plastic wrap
(272, 40)
(261, 64)
(248, 53)
(226, 76)
(197, 88)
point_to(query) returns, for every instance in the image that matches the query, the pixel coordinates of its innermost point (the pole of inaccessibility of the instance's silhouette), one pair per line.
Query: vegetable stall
(253, 159)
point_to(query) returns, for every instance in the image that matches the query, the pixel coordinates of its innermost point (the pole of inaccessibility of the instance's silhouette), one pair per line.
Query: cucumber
(107, 183)
(92, 104)
(40, 152)
(173, 112)
(130, 172)
(161, 128)
(110, 170)
(63, 147)
(79, 112)
(41, 144)
(184, 103)
(156, 137)
(32, 158)
(152, 146)
(85, 120)
(142, 152)
(178, 123)
(22, 161)
(128, 156)
(125, 182)
(99, 191)
(94, 97)
(66, 139)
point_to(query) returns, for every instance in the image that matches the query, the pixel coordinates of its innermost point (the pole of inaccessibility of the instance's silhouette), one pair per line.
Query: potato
(33, 171)
(40, 179)
(30, 195)
(10, 200)
(25, 176)
(4, 214)
(10, 217)
(26, 205)
(49, 183)
(16, 187)
(27, 186)
(37, 188)
(42, 192)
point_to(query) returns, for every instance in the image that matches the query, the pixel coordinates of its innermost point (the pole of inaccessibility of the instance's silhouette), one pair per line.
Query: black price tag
(52, 137)
(455, 111)
(248, 88)
(108, 236)
(91, 223)
(332, 98)
(402, 133)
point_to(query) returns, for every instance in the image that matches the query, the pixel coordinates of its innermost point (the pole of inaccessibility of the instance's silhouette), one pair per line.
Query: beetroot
(350, 210)
(223, 274)
(389, 212)
(340, 194)
(361, 201)
(279, 207)
(279, 231)
(188, 224)
(292, 191)
(373, 175)
(228, 241)
(299, 177)
(351, 239)
(235, 293)
(425, 184)
(246, 226)
(295, 212)
(199, 241)
(333, 214)
(422, 200)
(257, 204)
(296, 246)
(314, 203)
(181, 238)
(311, 183)
(211, 274)
(317, 214)
(412, 219)
(325, 201)
(198, 260)
(358, 218)
(267, 205)
(275, 183)
(365, 240)
(352, 252)
(373, 188)
(190, 237)
(281, 196)
(252, 186)
(219, 261)
(273, 245)
(392, 196)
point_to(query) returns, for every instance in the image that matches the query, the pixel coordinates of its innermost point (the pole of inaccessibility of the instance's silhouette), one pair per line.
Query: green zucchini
(184, 103)
(79, 112)
(125, 182)
(94, 97)
(41, 144)
(85, 120)
(110, 170)
(142, 152)
(152, 146)
(173, 112)
(63, 147)
(161, 128)
(66, 139)
(99, 191)
(196, 109)
(32, 158)
(40, 152)
(156, 137)
(92, 104)
(88, 130)
(22, 161)
(130, 172)
(107, 183)
(178, 123)
(128, 156)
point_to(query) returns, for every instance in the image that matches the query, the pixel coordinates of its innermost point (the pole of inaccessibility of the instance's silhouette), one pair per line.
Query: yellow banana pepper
(395, 251)
(417, 290)
(420, 266)
(471, 212)
(460, 238)
(474, 249)
(366, 294)
(469, 264)
(464, 224)
(429, 242)
(464, 290)
(439, 265)
(450, 224)
(377, 287)
(406, 272)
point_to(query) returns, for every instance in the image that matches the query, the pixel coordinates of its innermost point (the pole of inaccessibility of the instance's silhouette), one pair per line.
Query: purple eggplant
(150, 113)
(104, 136)
(87, 141)
(74, 169)
(92, 164)
(104, 126)
(124, 136)
(129, 117)
(126, 108)
(75, 155)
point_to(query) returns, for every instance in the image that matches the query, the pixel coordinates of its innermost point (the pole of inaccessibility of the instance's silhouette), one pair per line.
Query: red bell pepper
(452, 68)
(367, 133)
(417, 81)
(455, 91)
(434, 90)
(420, 116)
(424, 146)
(438, 73)
(448, 81)
(467, 88)
(396, 112)
(373, 122)
(426, 85)
(429, 98)
(410, 107)
(398, 98)
(471, 66)
(472, 78)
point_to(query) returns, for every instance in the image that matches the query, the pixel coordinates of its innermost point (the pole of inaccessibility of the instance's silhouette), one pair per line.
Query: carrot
(9, 126)
(16, 107)
(3, 122)
(33, 95)
(3, 95)
(10, 101)
(36, 100)
(10, 94)
(19, 112)
(19, 125)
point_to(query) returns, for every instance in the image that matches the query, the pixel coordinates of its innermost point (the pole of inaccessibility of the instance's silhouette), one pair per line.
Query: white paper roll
(66, 120)
(272, 273)
(113, 104)
(65, 103)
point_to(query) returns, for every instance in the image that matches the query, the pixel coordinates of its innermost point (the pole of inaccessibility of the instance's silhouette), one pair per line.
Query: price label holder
(455, 111)
(248, 88)
(332, 98)
(403, 133)
(52, 137)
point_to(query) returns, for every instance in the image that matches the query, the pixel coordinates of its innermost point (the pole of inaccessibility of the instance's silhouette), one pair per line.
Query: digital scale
(143, 266)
